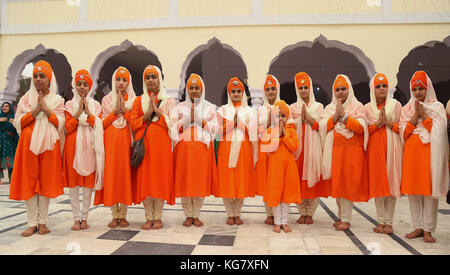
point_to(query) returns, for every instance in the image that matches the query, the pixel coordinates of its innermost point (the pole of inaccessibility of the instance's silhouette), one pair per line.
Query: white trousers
(119, 211)
(281, 213)
(424, 210)
(345, 208)
(233, 207)
(74, 194)
(192, 206)
(37, 210)
(153, 208)
(308, 206)
(385, 209)
(269, 210)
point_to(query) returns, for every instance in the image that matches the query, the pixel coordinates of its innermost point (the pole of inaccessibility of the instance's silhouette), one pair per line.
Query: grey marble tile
(118, 235)
(148, 248)
(217, 240)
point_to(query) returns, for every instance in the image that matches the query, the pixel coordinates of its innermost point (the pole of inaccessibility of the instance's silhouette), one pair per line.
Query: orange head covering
(84, 74)
(419, 79)
(43, 67)
(340, 82)
(302, 79)
(123, 72)
(194, 79)
(235, 83)
(284, 108)
(151, 69)
(380, 79)
(270, 82)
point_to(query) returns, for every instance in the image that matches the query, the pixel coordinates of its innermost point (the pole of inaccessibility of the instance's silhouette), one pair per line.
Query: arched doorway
(216, 63)
(433, 58)
(134, 58)
(17, 84)
(322, 59)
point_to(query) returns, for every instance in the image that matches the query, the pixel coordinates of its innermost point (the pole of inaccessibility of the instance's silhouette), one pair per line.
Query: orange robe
(36, 174)
(321, 188)
(118, 182)
(416, 172)
(349, 177)
(283, 182)
(261, 171)
(238, 182)
(377, 160)
(154, 176)
(71, 177)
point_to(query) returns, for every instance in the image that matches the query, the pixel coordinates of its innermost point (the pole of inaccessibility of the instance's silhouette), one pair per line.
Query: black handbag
(139, 145)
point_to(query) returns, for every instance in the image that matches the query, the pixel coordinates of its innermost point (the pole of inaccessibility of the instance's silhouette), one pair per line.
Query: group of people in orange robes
(286, 154)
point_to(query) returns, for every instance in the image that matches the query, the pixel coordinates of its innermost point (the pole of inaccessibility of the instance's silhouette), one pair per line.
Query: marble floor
(215, 237)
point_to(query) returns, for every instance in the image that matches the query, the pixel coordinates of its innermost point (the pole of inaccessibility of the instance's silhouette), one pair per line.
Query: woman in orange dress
(384, 151)
(425, 175)
(118, 186)
(155, 175)
(194, 126)
(84, 152)
(37, 174)
(238, 151)
(307, 114)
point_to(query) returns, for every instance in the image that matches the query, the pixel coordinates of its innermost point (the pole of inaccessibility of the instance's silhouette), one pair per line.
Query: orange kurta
(71, 177)
(261, 171)
(238, 182)
(154, 176)
(283, 183)
(349, 179)
(118, 182)
(377, 160)
(416, 172)
(36, 174)
(320, 189)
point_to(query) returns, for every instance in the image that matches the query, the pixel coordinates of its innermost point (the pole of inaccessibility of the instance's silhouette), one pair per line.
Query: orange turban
(194, 79)
(340, 82)
(380, 79)
(419, 79)
(235, 83)
(123, 72)
(284, 108)
(270, 82)
(84, 74)
(151, 69)
(45, 68)
(302, 79)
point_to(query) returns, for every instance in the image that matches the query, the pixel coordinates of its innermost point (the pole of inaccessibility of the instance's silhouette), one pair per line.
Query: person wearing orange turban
(155, 174)
(425, 173)
(193, 128)
(84, 152)
(119, 181)
(37, 174)
(384, 151)
(238, 151)
(283, 183)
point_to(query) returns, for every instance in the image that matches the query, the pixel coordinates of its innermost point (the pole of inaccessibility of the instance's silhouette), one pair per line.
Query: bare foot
(379, 228)
(343, 226)
(269, 220)
(29, 232)
(309, 220)
(147, 225)
(301, 220)
(198, 223)
(124, 223)
(43, 229)
(76, 226)
(157, 225)
(187, 222)
(428, 238)
(336, 224)
(388, 230)
(238, 221)
(114, 223)
(277, 229)
(230, 221)
(286, 228)
(415, 234)
(84, 225)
